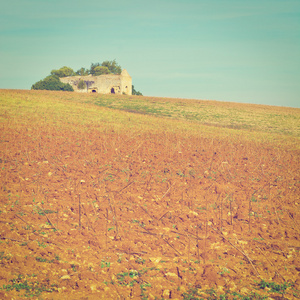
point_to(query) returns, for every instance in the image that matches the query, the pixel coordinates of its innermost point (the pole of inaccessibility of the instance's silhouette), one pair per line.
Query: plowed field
(103, 199)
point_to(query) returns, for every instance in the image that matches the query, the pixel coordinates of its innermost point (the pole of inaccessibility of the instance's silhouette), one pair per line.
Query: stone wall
(104, 84)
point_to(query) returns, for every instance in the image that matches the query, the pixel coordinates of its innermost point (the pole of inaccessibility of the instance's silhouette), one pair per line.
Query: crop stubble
(106, 212)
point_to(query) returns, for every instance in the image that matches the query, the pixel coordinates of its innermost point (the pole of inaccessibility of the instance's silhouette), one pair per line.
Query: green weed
(195, 293)
(4, 256)
(105, 264)
(274, 287)
(31, 289)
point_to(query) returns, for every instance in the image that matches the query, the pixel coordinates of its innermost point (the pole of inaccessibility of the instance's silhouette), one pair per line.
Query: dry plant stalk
(206, 224)
(220, 216)
(57, 217)
(241, 251)
(162, 237)
(212, 158)
(198, 251)
(14, 240)
(231, 215)
(106, 232)
(35, 231)
(189, 249)
(276, 269)
(50, 222)
(147, 185)
(89, 221)
(166, 192)
(79, 213)
(163, 215)
(171, 246)
(125, 187)
(113, 210)
(249, 221)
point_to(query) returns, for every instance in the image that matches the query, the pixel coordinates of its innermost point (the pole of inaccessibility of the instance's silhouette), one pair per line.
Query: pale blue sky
(227, 50)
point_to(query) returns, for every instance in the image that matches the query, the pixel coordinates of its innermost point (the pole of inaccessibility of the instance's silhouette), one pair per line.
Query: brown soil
(89, 214)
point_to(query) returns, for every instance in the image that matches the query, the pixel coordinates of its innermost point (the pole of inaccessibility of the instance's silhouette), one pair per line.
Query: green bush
(52, 83)
(137, 93)
(81, 85)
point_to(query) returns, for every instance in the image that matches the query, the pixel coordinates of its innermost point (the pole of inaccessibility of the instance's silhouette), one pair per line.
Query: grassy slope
(278, 125)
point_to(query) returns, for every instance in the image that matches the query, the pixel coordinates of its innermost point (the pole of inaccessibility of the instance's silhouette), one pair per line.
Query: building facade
(103, 84)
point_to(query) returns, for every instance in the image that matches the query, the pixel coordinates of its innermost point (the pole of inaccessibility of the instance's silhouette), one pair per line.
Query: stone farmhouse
(103, 84)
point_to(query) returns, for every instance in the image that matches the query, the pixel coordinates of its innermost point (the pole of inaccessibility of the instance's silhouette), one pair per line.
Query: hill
(127, 197)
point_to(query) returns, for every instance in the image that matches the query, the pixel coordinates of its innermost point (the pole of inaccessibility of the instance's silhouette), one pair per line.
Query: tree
(100, 70)
(82, 72)
(134, 92)
(92, 69)
(81, 84)
(52, 83)
(63, 72)
(112, 66)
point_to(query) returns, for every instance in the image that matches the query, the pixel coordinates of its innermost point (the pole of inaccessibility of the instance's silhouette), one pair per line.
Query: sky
(226, 50)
